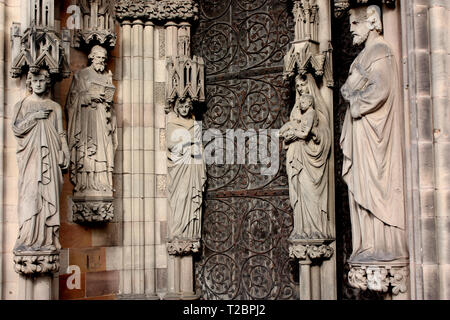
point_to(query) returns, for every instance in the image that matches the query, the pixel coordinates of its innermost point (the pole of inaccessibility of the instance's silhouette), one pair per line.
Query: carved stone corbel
(183, 247)
(380, 278)
(32, 264)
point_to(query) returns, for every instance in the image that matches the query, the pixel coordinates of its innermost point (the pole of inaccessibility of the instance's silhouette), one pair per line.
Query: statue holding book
(92, 127)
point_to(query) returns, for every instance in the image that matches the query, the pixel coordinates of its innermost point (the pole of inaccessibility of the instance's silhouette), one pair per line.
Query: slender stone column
(173, 262)
(328, 267)
(137, 159)
(305, 279)
(439, 47)
(187, 276)
(43, 288)
(25, 288)
(2, 123)
(316, 282)
(149, 161)
(311, 255)
(127, 208)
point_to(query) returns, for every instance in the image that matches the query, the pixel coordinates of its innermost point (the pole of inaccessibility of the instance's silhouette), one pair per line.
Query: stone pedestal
(181, 270)
(388, 278)
(36, 269)
(32, 263)
(92, 209)
(310, 253)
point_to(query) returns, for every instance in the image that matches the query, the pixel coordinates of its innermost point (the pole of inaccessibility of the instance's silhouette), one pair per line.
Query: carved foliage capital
(379, 278)
(36, 264)
(159, 10)
(183, 247)
(92, 211)
(310, 251)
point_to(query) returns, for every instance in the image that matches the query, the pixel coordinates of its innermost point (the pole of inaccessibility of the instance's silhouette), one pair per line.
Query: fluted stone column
(426, 46)
(138, 275)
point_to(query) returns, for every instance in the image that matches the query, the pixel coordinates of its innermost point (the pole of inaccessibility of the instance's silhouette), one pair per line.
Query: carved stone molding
(92, 210)
(183, 247)
(35, 262)
(162, 10)
(310, 250)
(379, 277)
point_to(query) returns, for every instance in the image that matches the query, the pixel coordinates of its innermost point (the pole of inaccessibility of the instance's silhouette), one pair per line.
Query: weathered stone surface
(92, 128)
(41, 154)
(380, 278)
(186, 172)
(183, 247)
(307, 136)
(35, 263)
(164, 10)
(373, 160)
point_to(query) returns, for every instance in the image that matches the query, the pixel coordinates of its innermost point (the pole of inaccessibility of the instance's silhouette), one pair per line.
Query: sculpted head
(306, 102)
(183, 107)
(97, 58)
(363, 21)
(38, 82)
(301, 85)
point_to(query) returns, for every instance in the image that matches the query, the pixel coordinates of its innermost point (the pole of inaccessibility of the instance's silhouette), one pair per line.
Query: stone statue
(42, 152)
(186, 172)
(92, 127)
(308, 140)
(372, 146)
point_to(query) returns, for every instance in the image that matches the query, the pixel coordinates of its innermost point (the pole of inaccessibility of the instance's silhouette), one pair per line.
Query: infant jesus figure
(303, 121)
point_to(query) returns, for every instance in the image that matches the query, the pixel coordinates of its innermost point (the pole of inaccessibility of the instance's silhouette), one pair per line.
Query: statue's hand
(289, 136)
(354, 111)
(98, 99)
(42, 114)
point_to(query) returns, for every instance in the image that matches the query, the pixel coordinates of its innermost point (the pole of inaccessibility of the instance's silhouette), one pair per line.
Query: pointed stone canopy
(186, 78)
(96, 24)
(39, 45)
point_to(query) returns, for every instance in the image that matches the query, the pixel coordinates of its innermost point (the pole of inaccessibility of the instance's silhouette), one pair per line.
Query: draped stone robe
(92, 133)
(373, 163)
(39, 156)
(307, 170)
(186, 177)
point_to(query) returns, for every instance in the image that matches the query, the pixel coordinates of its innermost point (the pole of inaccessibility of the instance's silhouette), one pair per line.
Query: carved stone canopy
(96, 25)
(38, 48)
(157, 10)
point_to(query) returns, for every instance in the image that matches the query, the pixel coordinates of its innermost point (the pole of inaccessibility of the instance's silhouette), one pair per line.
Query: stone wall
(426, 72)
